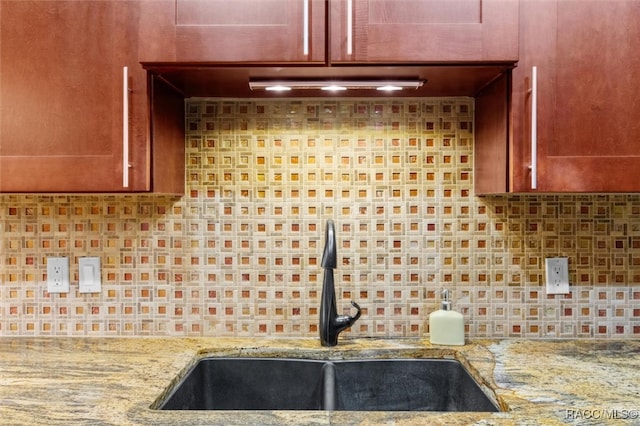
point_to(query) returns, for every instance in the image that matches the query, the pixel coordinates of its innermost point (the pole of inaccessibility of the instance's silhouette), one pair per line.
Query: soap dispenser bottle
(446, 327)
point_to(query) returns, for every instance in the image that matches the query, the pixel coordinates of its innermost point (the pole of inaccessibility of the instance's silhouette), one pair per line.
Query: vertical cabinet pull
(534, 127)
(349, 27)
(305, 26)
(125, 127)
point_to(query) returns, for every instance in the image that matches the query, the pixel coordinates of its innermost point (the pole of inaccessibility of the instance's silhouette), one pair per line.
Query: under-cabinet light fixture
(335, 85)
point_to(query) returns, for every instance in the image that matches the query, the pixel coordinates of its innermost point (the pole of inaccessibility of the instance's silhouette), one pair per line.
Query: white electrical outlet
(89, 275)
(58, 274)
(557, 269)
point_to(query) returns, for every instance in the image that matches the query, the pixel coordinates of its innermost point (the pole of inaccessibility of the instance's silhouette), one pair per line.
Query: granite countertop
(116, 380)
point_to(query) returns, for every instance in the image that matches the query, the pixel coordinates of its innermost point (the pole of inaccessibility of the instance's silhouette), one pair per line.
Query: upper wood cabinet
(334, 31)
(70, 121)
(586, 120)
(431, 31)
(256, 31)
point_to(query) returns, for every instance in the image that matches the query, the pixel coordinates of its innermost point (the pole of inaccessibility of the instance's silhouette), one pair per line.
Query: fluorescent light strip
(334, 85)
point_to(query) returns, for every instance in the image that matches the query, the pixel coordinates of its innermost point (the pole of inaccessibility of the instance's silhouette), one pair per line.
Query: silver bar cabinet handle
(305, 26)
(349, 27)
(534, 127)
(125, 127)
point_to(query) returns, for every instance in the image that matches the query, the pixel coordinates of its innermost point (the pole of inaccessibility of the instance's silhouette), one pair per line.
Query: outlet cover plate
(557, 272)
(89, 275)
(58, 274)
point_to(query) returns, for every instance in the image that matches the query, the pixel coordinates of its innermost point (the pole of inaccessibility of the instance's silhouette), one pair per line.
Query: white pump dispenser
(446, 327)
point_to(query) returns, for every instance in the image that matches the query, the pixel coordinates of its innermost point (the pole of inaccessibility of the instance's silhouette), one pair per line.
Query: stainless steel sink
(341, 385)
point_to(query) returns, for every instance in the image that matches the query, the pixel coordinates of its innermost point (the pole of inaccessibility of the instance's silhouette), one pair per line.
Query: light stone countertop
(115, 381)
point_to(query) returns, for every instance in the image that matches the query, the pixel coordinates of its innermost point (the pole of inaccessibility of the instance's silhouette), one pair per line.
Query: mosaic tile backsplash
(239, 254)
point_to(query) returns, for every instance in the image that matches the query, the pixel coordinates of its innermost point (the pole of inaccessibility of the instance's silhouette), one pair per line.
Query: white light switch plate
(557, 271)
(58, 274)
(89, 274)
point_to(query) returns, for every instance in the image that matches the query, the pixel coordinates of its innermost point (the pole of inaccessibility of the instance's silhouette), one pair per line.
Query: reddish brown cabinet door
(587, 118)
(588, 78)
(423, 31)
(304, 31)
(61, 98)
(238, 31)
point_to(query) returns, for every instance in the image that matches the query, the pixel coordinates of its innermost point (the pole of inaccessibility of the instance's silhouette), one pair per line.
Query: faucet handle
(355, 305)
(345, 321)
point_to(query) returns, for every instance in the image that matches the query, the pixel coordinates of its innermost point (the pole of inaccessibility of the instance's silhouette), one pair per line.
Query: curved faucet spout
(331, 324)
(330, 253)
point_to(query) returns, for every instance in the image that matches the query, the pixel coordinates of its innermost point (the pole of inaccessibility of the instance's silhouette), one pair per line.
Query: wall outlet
(557, 269)
(89, 275)
(58, 274)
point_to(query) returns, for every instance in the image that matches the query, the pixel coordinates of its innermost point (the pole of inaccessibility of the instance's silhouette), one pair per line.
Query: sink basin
(408, 385)
(341, 385)
(249, 384)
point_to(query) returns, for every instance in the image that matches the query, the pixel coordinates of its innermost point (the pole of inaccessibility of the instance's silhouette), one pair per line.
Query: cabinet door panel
(599, 44)
(596, 145)
(61, 96)
(588, 75)
(250, 31)
(537, 48)
(424, 31)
